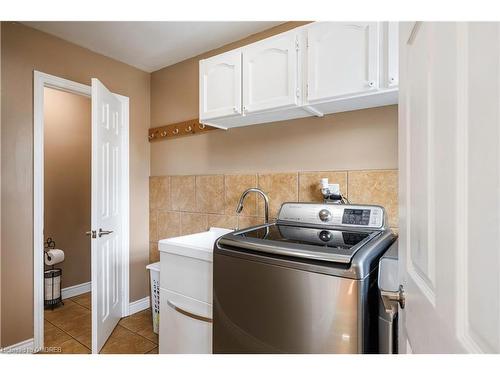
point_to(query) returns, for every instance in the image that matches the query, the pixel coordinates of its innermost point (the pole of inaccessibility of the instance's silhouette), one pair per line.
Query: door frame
(40, 81)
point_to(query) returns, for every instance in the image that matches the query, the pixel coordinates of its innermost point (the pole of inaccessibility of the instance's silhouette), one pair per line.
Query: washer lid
(328, 245)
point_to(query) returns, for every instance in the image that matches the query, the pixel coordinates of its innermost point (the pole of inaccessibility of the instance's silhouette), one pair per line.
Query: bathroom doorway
(67, 218)
(81, 211)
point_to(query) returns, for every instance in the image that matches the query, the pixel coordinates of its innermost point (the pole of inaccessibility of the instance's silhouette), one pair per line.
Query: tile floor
(68, 327)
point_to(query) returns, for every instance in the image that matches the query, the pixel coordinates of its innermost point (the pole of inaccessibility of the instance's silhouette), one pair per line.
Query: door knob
(104, 232)
(91, 233)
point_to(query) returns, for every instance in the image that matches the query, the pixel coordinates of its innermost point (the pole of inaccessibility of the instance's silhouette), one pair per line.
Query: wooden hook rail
(179, 129)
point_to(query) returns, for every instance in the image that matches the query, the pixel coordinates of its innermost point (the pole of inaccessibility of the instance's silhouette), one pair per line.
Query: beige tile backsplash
(210, 194)
(280, 187)
(376, 187)
(193, 223)
(181, 205)
(235, 185)
(182, 193)
(168, 224)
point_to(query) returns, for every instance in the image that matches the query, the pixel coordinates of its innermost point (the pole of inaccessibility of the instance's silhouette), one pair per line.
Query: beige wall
(24, 50)
(365, 139)
(67, 154)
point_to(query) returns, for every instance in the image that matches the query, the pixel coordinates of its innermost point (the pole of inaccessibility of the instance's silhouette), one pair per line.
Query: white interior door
(107, 191)
(449, 150)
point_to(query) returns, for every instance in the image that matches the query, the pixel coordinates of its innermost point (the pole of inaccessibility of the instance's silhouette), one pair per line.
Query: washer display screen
(356, 217)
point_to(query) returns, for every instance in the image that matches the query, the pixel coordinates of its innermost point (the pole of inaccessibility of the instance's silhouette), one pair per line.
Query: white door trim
(40, 81)
(125, 205)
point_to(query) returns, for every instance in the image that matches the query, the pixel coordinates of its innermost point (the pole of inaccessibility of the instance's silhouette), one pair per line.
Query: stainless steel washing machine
(306, 283)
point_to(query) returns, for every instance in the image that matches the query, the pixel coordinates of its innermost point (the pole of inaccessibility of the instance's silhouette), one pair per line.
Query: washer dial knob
(325, 215)
(325, 236)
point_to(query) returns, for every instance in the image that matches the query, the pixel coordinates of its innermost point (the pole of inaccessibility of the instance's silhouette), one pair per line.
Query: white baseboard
(75, 290)
(139, 305)
(134, 307)
(23, 347)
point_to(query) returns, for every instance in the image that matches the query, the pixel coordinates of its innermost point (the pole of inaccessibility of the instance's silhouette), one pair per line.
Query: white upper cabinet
(313, 70)
(342, 59)
(270, 73)
(220, 86)
(392, 54)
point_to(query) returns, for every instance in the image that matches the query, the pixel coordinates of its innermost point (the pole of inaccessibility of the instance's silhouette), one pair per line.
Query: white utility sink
(186, 264)
(199, 245)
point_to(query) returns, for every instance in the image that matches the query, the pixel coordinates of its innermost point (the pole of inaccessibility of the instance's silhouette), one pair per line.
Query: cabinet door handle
(188, 313)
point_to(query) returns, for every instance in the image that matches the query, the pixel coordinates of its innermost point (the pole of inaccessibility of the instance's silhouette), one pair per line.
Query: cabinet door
(342, 59)
(220, 85)
(270, 73)
(392, 54)
(185, 324)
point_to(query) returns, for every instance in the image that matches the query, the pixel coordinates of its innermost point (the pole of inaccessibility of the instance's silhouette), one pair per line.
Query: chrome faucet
(266, 202)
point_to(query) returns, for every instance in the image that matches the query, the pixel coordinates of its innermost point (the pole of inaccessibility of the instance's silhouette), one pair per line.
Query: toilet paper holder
(52, 278)
(49, 244)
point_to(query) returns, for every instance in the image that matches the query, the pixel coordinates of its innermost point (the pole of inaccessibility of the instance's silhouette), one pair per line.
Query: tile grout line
(138, 334)
(347, 185)
(63, 331)
(79, 304)
(298, 187)
(70, 335)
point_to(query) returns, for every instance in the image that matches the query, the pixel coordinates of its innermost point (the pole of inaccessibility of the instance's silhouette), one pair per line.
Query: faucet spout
(239, 208)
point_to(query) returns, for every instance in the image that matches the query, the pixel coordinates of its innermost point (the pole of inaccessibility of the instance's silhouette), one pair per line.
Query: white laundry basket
(154, 273)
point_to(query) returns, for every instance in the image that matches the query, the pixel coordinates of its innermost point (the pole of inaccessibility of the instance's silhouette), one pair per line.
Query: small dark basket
(52, 279)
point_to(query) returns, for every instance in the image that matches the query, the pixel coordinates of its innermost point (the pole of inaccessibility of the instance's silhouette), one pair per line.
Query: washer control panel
(356, 216)
(325, 215)
(363, 216)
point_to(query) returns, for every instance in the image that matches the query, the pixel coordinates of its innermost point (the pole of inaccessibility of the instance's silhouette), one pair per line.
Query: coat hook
(184, 128)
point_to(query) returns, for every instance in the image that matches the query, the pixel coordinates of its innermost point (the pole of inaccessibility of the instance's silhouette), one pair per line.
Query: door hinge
(297, 92)
(307, 90)
(297, 43)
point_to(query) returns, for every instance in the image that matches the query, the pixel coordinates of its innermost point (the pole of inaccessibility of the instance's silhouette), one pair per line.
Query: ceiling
(150, 46)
